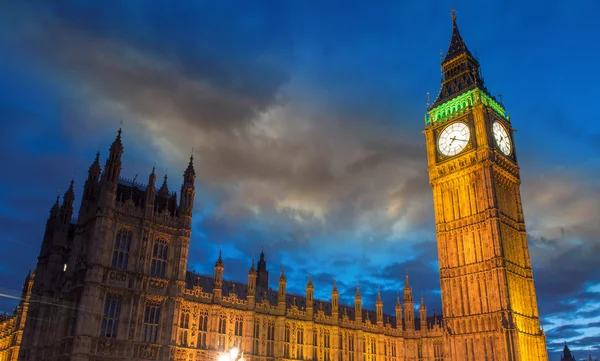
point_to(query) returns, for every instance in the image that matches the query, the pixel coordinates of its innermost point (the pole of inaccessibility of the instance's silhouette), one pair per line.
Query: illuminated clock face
(454, 138)
(502, 138)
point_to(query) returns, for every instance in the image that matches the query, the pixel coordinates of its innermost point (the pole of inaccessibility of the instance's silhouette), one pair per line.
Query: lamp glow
(224, 357)
(242, 357)
(233, 353)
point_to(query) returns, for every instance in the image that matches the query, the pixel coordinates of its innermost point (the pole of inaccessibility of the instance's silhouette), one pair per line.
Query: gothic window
(326, 345)
(110, 319)
(239, 323)
(222, 330)
(393, 347)
(315, 356)
(373, 348)
(286, 341)
(271, 339)
(256, 337)
(238, 330)
(184, 326)
(203, 329)
(420, 351)
(340, 347)
(158, 265)
(385, 349)
(300, 343)
(151, 322)
(120, 256)
(351, 348)
(438, 353)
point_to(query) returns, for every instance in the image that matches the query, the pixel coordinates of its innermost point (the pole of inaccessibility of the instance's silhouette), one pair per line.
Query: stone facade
(114, 285)
(11, 326)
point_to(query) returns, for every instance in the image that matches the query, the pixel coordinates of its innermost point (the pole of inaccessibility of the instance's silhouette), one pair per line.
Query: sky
(305, 121)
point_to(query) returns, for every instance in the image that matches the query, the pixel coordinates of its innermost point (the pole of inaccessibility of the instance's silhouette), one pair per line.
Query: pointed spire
(309, 284)
(164, 189)
(69, 194)
(190, 168)
(357, 295)
(282, 277)
(220, 260)
(379, 294)
(55, 206)
(252, 270)
(335, 290)
(457, 44)
(95, 169)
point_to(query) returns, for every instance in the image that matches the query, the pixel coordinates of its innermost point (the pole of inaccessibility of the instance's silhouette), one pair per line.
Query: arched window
(203, 328)
(120, 256)
(184, 325)
(110, 318)
(151, 322)
(158, 266)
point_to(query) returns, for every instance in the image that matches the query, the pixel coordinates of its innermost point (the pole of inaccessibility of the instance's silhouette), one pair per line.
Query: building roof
(206, 282)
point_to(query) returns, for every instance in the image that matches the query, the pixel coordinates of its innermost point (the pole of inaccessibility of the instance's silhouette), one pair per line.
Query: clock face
(502, 138)
(454, 138)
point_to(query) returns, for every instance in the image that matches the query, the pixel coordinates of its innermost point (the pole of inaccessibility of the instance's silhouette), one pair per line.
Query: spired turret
(150, 194)
(91, 188)
(409, 307)
(423, 316)
(219, 269)
(398, 310)
(310, 293)
(186, 202)
(251, 285)
(112, 171)
(358, 306)
(335, 297)
(379, 309)
(281, 292)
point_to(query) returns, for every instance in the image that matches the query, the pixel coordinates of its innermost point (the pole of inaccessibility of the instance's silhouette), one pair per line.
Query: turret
(51, 224)
(335, 297)
(219, 268)
(90, 189)
(262, 273)
(358, 306)
(398, 313)
(112, 171)
(186, 202)
(423, 315)
(251, 286)
(310, 293)
(281, 291)
(409, 308)
(150, 194)
(66, 209)
(379, 309)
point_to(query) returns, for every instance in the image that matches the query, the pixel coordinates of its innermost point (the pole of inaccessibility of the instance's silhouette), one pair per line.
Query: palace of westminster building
(114, 285)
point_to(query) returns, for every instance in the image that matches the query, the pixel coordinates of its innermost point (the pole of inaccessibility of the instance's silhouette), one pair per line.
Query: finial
(500, 96)
(428, 100)
(453, 13)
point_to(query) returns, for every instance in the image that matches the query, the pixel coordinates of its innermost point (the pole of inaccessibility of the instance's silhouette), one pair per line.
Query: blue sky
(305, 119)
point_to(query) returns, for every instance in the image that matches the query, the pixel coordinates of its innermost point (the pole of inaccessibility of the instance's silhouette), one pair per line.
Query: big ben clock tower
(488, 296)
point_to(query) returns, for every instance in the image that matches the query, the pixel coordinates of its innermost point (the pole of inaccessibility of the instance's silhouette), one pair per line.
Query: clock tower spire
(488, 295)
